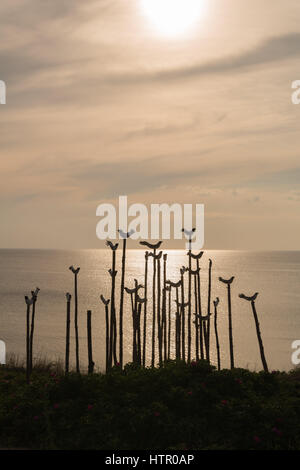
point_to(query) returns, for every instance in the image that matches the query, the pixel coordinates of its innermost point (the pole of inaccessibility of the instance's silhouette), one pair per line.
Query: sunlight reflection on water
(275, 275)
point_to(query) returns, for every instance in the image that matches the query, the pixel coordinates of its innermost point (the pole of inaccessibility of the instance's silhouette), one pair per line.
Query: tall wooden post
(228, 282)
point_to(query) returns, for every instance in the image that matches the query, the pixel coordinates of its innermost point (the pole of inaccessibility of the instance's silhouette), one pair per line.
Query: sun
(173, 17)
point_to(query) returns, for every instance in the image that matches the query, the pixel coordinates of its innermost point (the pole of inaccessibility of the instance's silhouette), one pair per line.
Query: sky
(101, 103)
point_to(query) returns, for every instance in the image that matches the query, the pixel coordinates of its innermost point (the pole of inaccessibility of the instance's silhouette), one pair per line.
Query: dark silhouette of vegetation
(177, 406)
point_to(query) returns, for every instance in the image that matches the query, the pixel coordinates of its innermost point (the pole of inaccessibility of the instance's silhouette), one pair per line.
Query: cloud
(275, 49)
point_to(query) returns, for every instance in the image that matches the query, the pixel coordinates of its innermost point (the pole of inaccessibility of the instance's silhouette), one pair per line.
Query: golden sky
(101, 103)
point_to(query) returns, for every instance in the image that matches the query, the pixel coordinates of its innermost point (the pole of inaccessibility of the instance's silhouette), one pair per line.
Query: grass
(176, 406)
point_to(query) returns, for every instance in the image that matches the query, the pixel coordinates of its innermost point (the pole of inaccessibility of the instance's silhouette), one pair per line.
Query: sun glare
(173, 17)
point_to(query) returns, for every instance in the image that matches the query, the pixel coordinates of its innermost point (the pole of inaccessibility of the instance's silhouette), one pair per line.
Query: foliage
(175, 406)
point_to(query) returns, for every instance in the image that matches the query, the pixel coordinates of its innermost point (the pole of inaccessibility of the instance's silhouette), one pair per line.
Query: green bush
(174, 406)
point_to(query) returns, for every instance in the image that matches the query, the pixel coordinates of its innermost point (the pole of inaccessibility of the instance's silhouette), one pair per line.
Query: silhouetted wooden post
(135, 323)
(199, 309)
(67, 356)
(189, 304)
(260, 342)
(177, 329)
(34, 300)
(29, 302)
(140, 302)
(228, 282)
(182, 271)
(159, 315)
(181, 309)
(113, 321)
(189, 234)
(75, 272)
(197, 319)
(124, 236)
(136, 307)
(107, 335)
(89, 341)
(154, 309)
(208, 313)
(145, 307)
(216, 303)
(153, 247)
(164, 309)
(169, 290)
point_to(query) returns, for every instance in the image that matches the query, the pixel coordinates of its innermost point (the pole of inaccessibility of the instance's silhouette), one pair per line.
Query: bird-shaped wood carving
(111, 245)
(151, 246)
(183, 270)
(226, 281)
(28, 300)
(106, 302)
(189, 233)
(158, 256)
(74, 271)
(180, 304)
(250, 299)
(112, 273)
(195, 256)
(125, 234)
(174, 284)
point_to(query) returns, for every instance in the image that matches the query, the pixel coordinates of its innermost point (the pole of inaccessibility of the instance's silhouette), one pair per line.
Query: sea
(275, 275)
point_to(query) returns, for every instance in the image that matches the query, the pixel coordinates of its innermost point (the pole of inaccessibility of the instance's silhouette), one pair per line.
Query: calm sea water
(275, 275)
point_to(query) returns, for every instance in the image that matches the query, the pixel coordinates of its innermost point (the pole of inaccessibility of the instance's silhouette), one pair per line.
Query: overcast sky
(100, 104)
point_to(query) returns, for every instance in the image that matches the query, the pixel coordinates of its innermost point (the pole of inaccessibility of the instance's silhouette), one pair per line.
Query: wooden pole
(34, 300)
(159, 315)
(75, 272)
(164, 310)
(182, 271)
(189, 303)
(28, 303)
(258, 333)
(208, 313)
(89, 338)
(200, 307)
(189, 234)
(153, 247)
(228, 282)
(197, 320)
(177, 329)
(113, 320)
(107, 335)
(216, 302)
(67, 356)
(145, 307)
(169, 290)
(122, 303)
